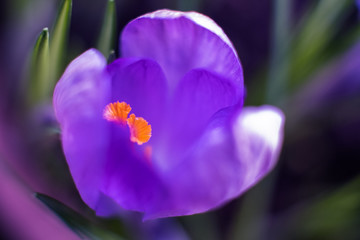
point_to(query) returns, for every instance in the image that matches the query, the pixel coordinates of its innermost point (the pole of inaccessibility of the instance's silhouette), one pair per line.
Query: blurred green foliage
(58, 38)
(89, 226)
(312, 40)
(39, 85)
(300, 48)
(106, 42)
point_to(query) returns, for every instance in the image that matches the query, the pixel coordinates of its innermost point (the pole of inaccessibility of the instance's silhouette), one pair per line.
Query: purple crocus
(188, 145)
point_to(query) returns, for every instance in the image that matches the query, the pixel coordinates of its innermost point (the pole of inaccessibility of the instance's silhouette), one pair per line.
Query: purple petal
(79, 99)
(107, 207)
(80, 89)
(258, 133)
(179, 42)
(142, 84)
(198, 97)
(130, 180)
(231, 156)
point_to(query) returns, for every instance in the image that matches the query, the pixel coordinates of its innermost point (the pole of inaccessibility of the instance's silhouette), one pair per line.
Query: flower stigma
(140, 129)
(117, 112)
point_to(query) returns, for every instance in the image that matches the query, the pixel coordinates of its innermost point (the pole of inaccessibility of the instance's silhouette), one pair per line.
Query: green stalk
(313, 37)
(39, 88)
(58, 39)
(107, 36)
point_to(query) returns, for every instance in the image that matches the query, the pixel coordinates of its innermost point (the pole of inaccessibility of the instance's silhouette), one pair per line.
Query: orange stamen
(140, 130)
(117, 112)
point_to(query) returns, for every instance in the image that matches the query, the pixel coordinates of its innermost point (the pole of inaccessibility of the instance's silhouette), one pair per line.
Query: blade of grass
(58, 39)
(107, 37)
(316, 31)
(279, 59)
(84, 227)
(39, 71)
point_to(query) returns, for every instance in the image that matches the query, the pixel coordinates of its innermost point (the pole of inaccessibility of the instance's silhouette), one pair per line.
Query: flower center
(140, 129)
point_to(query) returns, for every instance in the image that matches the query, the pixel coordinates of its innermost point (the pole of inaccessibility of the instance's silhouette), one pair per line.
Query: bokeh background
(300, 55)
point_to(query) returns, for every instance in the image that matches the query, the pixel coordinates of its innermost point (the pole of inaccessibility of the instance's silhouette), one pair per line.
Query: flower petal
(79, 90)
(231, 156)
(79, 99)
(179, 42)
(129, 179)
(198, 97)
(258, 133)
(142, 84)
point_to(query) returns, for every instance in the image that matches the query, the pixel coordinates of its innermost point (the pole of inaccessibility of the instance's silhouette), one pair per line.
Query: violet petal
(233, 154)
(258, 133)
(179, 42)
(129, 179)
(198, 97)
(79, 100)
(142, 84)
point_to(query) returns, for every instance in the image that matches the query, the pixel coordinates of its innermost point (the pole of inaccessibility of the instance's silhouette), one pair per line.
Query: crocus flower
(162, 130)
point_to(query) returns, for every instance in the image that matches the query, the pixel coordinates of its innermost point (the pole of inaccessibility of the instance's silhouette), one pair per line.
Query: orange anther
(140, 130)
(117, 112)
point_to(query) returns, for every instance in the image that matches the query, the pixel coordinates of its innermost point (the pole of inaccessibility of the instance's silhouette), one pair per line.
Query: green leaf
(71, 218)
(278, 70)
(111, 57)
(107, 36)
(39, 72)
(58, 39)
(313, 37)
(85, 227)
(348, 41)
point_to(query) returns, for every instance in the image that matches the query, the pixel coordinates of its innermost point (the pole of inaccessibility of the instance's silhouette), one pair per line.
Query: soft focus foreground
(297, 55)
